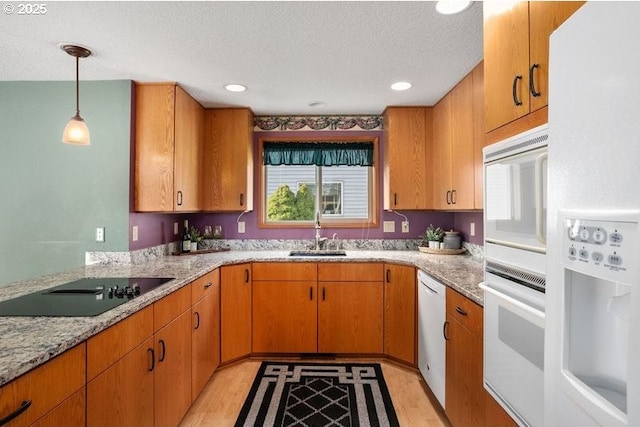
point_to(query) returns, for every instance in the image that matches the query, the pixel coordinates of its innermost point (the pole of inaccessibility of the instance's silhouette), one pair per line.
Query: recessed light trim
(234, 87)
(450, 7)
(401, 86)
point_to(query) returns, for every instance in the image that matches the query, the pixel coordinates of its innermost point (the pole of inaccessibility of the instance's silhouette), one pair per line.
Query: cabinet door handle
(246, 275)
(152, 353)
(164, 351)
(388, 276)
(311, 293)
(323, 293)
(241, 199)
(461, 311)
(448, 197)
(532, 84)
(197, 317)
(179, 198)
(453, 197)
(515, 90)
(444, 330)
(395, 199)
(23, 407)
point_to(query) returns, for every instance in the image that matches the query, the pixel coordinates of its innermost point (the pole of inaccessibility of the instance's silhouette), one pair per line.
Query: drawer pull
(197, 316)
(311, 293)
(461, 311)
(246, 275)
(323, 293)
(23, 407)
(208, 285)
(388, 275)
(153, 359)
(444, 330)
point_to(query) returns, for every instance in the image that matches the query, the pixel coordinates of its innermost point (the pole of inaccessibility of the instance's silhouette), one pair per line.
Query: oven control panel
(601, 243)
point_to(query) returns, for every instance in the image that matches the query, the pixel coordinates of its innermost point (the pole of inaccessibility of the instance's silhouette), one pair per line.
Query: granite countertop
(26, 342)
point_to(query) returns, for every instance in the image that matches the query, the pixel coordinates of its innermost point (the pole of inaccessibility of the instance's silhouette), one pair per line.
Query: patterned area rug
(318, 394)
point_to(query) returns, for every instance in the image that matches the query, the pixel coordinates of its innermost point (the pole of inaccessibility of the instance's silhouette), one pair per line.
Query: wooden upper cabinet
(168, 138)
(454, 147)
(479, 139)
(408, 134)
(227, 183)
(516, 56)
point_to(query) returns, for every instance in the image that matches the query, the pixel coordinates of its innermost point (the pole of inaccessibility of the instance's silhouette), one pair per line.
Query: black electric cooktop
(84, 297)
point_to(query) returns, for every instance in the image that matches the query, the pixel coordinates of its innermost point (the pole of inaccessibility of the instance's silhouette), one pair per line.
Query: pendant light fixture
(76, 132)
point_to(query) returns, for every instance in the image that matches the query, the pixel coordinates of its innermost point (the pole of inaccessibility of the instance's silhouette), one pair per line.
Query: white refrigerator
(592, 325)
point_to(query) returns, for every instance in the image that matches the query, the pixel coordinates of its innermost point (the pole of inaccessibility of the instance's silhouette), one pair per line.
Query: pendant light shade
(76, 131)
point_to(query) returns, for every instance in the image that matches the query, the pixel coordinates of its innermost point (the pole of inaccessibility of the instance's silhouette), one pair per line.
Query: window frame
(328, 221)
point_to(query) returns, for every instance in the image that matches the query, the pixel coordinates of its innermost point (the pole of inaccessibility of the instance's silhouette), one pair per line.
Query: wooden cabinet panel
(441, 160)
(516, 56)
(189, 132)
(168, 138)
(350, 317)
(462, 166)
(70, 413)
(284, 316)
(285, 271)
(400, 312)
(407, 149)
(205, 336)
(494, 415)
(228, 160)
(45, 387)
(479, 137)
(123, 395)
(466, 312)
(205, 285)
(235, 311)
(170, 307)
(350, 272)
(172, 379)
(107, 347)
(464, 392)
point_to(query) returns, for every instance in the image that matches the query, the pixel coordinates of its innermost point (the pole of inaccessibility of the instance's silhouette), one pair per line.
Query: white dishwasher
(431, 344)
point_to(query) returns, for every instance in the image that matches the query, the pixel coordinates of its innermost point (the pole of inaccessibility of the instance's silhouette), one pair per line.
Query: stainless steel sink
(321, 252)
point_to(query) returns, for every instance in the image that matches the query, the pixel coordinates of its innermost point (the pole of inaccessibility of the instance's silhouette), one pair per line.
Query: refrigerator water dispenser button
(615, 259)
(597, 257)
(599, 236)
(584, 253)
(615, 237)
(584, 234)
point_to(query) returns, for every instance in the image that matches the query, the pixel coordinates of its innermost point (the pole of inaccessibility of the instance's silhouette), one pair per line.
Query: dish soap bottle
(186, 238)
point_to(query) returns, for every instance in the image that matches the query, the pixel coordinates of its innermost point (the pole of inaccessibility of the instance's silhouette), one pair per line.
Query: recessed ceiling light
(235, 87)
(449, 7)
(401, 86)
(316, 104)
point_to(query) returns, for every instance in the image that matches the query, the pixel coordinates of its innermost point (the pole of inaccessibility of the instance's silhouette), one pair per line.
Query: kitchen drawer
(45, 387)
(170, 307)
(465, 311)
(285, 271)
(110, 345)
(350, 272)
(205, 285)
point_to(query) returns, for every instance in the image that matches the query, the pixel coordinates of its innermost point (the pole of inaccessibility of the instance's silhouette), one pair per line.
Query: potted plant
(432, 236)
(195, 236)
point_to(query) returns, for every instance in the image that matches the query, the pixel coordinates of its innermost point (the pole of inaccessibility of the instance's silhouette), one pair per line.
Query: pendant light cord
(77, 86)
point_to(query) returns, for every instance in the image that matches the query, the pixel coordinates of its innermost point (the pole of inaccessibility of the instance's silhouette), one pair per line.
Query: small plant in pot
(432, 237)
(195, 236)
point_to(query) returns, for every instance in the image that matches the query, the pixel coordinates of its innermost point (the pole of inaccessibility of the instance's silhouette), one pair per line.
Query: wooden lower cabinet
(235, 312)
(70, 413)
(285, 316)
(205, 334)
(123, 395)
(350, 317)
(46, 388)
(400, 302)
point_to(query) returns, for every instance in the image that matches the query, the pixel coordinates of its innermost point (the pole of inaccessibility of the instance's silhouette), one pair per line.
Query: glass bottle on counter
(186, 238)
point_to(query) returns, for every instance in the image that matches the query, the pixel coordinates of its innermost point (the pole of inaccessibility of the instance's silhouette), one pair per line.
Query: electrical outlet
(389, 226)
(100, 234)
(240, 226)
(175, 228)
(405, 226)
(472, 229)
(134, 233)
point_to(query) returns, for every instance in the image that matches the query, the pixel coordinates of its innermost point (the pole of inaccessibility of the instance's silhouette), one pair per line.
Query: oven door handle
(533, 311)
(539, 189)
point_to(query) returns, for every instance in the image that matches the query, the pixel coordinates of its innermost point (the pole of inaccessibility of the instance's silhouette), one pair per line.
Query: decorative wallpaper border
(281, 123)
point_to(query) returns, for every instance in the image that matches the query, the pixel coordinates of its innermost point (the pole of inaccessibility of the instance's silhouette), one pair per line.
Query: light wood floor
(220, 402)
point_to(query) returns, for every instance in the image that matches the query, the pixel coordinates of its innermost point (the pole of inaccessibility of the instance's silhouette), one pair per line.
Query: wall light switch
(405, 226)
(240, 226)
(472, 229)
(175, 228)
(134, 233)
(389, 226)
(100, 234)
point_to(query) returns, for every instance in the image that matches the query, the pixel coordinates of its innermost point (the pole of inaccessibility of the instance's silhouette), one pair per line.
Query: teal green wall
(54, 195)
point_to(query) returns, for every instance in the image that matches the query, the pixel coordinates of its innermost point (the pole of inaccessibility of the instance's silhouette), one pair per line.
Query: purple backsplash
(155, 229)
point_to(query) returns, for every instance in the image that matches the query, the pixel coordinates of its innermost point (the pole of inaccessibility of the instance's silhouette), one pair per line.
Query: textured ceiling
(345, 54)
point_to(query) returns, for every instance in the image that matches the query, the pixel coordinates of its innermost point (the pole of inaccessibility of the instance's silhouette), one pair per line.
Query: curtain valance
(319, 153)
